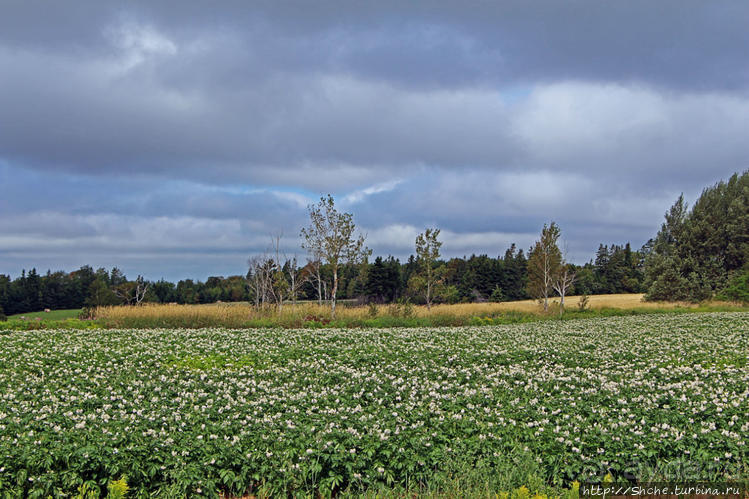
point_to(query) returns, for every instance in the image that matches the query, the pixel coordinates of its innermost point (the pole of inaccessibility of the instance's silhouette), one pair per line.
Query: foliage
(582, 304)
(301, 412)
(737, 289)
(385, 281)
(427, 253)
(116, 489)
(497, 295)
(616, 269)
(448, 294)
(3, 317)
(544, 262)
(373, 310)
(100, 295)
(402, 308)
(330, 237)
(31, 292)
(85, 491)
(697, 251)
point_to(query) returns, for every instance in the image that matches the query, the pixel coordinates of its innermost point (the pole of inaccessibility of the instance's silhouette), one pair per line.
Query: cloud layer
(173, 139)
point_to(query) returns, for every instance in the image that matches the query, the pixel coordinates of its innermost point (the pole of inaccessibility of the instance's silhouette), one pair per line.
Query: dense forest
(697, 254)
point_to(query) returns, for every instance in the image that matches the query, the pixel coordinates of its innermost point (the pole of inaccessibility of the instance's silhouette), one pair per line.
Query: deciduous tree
(331, 237)
(544, 262)
(562, 283)
(427, 252)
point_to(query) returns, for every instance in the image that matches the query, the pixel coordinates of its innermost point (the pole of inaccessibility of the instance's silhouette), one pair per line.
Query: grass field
(475, 410)
(53, 315)
(311, 314)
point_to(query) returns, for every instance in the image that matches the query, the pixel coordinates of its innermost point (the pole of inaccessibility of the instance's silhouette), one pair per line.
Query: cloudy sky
(172, 138)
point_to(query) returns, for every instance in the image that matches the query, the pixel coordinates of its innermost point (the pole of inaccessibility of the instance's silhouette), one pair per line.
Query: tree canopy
(699, 251)
(330, 237)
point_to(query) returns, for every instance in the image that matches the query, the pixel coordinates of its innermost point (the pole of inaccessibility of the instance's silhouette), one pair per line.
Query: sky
(173, 139)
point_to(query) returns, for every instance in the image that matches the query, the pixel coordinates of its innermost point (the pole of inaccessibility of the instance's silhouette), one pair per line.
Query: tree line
(699, 253)
(378, 280)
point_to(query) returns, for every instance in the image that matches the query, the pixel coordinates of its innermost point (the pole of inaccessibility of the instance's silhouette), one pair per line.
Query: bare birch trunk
(333, 293)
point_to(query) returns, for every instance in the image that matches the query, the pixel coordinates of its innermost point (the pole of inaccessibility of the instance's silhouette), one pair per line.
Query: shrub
(583, 303)
(3, 317)
(402, 308)
(497, 296)
(87, 313)
(671, 285)
(737, 289)
(372, 310)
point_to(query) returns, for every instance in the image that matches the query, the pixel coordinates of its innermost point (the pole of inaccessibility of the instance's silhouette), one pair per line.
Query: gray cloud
(679, 43)
(138, 130)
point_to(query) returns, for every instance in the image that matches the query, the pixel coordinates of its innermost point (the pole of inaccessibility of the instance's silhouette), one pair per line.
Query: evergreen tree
(33, 291)
(394, 280)
(4, 290)
(100, 294)
(737, 288)
(164, 291)
(513, 275)
(377, 287)
(697, 253)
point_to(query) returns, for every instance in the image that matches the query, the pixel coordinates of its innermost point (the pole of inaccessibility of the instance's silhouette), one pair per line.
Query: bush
(448, 294)
(3, 317)
(737, 289)
(402, 308)
(497, 296)
(583, 303)
(87, 313)
(372, 310)
(671, 285)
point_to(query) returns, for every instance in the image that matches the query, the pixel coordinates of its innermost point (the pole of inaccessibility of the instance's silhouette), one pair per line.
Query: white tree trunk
(333, 293)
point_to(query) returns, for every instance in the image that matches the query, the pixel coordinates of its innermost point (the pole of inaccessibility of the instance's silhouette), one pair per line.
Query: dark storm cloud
(679, 43)
(149, 128)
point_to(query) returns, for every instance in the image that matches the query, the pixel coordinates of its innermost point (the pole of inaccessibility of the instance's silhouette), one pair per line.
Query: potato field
(234, 412)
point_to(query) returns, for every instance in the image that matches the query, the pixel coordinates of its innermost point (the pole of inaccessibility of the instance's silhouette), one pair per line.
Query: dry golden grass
(225, 312)
(620, 301)
(237, 313)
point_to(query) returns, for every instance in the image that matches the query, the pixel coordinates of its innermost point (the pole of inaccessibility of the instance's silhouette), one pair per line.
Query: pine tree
(697, 252)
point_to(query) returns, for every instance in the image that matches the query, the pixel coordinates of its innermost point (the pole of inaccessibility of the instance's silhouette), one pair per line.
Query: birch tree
(297, 276)
(330, 236)
(314, 265)
(563, 281)
(275, 278)
(428, 251)
(279, 288)
(259, 278)
(544, 262)
(132, 293)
